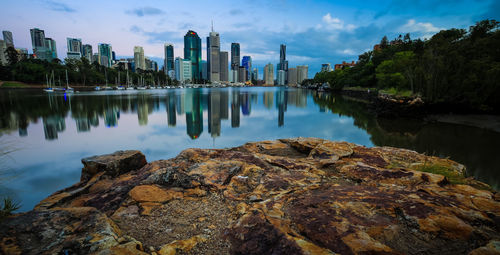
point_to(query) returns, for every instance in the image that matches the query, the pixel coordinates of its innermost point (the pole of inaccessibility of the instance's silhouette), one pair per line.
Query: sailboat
(49, 88)
(68, 88)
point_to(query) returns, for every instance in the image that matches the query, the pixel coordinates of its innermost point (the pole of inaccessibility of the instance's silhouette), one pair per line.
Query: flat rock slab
(113, 164)
(290, 196)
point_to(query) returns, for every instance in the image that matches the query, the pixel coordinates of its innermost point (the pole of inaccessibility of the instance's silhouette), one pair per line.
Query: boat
(97, 88)
(49, 88)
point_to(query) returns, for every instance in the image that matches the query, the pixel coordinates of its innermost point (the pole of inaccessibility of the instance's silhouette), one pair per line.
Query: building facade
(242, 74)
(192, 51)
(43, 48)
(104, 55)
(281, 77)
(224, 66)
(87, 52)
(326, 67)
(235, 56)
(140, 61)
(75, 49)
(302, 73)
(292, 76)
(3, 55)
(247, 63)
(183, 72)
(269, 74)
(7, 37)
(344, 65)
(213, 57)
(169, 58)
(255, 74)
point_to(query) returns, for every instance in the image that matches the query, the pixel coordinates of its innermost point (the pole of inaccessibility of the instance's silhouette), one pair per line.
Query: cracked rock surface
(288, 196)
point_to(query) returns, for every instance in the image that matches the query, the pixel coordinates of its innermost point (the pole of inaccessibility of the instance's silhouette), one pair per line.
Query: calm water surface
(50, 133)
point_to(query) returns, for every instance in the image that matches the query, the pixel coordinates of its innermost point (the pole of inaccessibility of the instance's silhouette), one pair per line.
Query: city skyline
(315, 32)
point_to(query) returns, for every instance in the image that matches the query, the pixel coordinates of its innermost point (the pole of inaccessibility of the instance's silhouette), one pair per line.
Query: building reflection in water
(87, 110)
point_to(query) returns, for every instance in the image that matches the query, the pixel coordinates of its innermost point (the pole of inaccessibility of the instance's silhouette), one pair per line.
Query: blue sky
(315, 31)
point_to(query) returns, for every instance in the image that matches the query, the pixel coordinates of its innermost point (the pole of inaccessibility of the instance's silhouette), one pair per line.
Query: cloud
(60, 7)
(333, 23)
(235, 12)
(412, 26)
(145, 11)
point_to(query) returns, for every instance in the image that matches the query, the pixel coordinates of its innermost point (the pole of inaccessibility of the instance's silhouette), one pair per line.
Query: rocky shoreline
(289, 196)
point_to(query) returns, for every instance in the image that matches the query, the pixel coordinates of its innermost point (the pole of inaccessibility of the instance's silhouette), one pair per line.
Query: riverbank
(292, 196)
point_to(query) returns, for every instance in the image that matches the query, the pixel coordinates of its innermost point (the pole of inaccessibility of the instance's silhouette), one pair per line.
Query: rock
(113, 164)
(290, 196)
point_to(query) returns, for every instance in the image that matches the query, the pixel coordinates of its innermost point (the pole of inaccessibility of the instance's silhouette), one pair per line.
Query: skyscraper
(292, 76)
(255, 74)
(87, 52)
(192, 52)
(281, 77)
(104, 54)
(183, 70)
(247, 63)
(3, 56)
(242, 74)
(301, 73)
(43, 48)
(235, 56)
(140, 62)
(283, 58)
(50, 44)
(224, 66)
(269, 74)
(213, 56)
(169, 58)
(75, 49)
(7, 37)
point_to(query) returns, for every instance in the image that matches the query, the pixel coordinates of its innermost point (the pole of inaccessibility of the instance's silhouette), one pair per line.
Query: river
(47, 134)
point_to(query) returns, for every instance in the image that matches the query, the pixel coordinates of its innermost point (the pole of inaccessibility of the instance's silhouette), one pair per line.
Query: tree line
(81, 72)
(455, 67)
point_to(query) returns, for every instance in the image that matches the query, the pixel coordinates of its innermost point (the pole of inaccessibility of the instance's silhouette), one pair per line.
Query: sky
(315, 31)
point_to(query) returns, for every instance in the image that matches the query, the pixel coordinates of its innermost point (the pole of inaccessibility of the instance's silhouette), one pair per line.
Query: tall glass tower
(235, 56)
(105, 55)
(192, 51)
(169, 57)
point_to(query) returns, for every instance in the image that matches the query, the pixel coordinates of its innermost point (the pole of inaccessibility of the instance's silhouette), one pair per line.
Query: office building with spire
(283, 65)
(213, 56)
(192, 52)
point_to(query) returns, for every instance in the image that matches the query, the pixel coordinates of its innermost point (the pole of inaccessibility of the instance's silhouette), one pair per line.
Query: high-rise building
(242, 74)
(140, 62)
(150, 65)
(51, 46)
(169, 57)
(213, 56)
(281, 77)
(204, 68)
(87, 52)
(269, 74)
(292, 76)
(3, 56)
(283, 58)
(43, 48)
(235, 56)
(104, 54)
(75, 49)
(302, 73)
(7, 37)
(247, 63)
(224, 66)
(326, 67)
(192, 51)
(183, 72)
(22, 53)
(255, 74)
(233, 75)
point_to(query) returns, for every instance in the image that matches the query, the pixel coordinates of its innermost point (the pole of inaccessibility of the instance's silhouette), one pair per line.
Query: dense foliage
(80, 72)
(455, 67)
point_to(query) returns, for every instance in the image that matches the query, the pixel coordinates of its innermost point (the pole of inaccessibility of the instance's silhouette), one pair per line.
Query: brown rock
(113, 164)
(290, 196)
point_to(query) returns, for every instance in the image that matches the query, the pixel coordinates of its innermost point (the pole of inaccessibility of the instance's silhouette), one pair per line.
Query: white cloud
(334, 23)
(413, 26)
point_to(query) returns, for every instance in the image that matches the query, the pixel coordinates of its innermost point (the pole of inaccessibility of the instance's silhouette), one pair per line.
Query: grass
(8, 207)
(452, 176)
(397, 93)
(10, 84)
